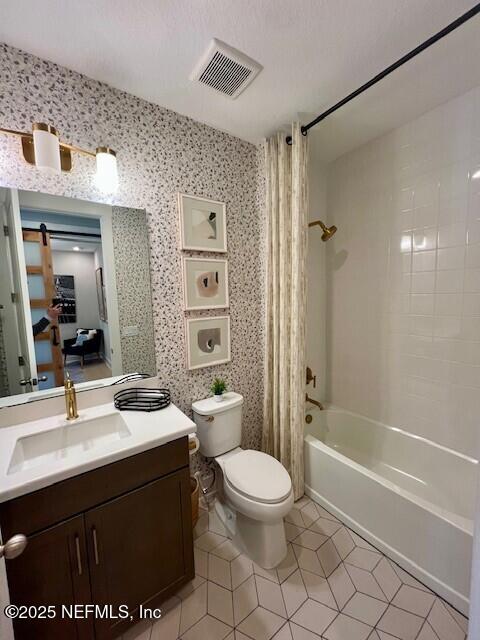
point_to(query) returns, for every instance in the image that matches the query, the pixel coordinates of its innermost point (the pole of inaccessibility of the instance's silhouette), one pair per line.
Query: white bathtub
(411, 498)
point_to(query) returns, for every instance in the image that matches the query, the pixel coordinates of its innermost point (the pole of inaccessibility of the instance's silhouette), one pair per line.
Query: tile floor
(332, 585)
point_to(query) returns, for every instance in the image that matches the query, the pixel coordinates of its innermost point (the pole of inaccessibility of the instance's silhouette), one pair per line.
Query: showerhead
(327, 231)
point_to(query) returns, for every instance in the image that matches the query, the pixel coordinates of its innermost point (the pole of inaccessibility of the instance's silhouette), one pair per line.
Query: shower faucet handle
(311, 377)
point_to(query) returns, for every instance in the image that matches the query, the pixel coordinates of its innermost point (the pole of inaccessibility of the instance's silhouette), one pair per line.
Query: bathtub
(411, 498)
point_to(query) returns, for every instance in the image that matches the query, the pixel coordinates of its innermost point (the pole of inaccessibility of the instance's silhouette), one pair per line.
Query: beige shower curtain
(287, 202)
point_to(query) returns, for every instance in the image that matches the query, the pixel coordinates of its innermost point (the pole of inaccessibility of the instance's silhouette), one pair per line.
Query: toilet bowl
(259, 491)
(254, 489)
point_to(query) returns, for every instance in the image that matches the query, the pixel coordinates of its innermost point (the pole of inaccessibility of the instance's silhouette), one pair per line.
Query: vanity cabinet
(117, 535)
(49, 573)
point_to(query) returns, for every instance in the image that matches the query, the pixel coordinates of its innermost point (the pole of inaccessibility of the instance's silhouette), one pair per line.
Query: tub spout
(315, 402)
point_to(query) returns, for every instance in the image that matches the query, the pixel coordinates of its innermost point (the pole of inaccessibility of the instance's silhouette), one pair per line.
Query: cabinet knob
(13, 547)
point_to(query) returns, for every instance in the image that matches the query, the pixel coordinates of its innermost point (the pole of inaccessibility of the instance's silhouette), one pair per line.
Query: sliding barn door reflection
(41, 290)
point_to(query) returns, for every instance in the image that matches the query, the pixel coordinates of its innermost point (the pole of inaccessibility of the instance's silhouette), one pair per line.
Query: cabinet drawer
(44, 508)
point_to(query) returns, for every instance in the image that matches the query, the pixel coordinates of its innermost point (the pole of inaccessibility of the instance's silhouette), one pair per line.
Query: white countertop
(147, 430)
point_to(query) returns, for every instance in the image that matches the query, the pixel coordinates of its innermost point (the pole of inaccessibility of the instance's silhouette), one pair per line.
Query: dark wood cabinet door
(140, 548)
(53, 570)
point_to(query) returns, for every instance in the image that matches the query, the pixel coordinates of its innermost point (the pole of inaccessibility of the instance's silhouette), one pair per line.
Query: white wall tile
(471, 304)
(423, 282)
(424, 261)
(448, 304)
(449, 281)
(471, 282)
(451, 258)
(422, 303)
(403, 277)
(452, 235)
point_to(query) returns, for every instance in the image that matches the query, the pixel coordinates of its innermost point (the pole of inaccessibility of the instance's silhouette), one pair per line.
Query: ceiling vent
(226, 69)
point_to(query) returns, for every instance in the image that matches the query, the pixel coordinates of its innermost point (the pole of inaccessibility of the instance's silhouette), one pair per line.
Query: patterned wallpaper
(132, 270)
(4, 390)
(159, 153)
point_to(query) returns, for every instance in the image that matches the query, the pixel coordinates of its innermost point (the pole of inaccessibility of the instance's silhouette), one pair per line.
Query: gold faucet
(315, 402)
(70, 398)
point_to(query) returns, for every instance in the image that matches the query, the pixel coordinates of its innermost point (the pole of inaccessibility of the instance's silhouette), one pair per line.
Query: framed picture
(202, 224)
(102, 302)
(65, 295)
(205, 283)
(208, 341)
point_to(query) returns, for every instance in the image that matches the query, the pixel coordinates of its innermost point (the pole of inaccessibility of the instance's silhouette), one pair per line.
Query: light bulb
(106, 177)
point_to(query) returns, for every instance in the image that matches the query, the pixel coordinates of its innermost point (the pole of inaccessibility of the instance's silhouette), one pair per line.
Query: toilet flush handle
(209, 419)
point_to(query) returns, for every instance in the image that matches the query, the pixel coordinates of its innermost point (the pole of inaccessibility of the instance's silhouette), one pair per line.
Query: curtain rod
(408, 56)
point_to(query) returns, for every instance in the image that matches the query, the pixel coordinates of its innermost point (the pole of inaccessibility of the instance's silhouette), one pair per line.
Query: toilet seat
(257, 476)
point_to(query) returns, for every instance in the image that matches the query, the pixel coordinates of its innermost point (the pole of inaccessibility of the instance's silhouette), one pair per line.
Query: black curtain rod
(82, 234)
(408, 56)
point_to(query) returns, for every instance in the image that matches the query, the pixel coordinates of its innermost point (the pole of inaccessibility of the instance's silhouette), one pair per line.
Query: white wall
(82, 267)
(403, 277)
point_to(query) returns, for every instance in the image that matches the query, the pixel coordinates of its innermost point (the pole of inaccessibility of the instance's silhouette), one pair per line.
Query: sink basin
(67, 441)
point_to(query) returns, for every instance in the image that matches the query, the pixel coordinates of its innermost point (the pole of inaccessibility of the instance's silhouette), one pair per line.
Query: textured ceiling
(313, 51)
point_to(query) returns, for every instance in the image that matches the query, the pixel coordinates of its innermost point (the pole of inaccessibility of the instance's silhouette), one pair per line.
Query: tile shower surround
(159, 153)
(403, 277)
(332, 586)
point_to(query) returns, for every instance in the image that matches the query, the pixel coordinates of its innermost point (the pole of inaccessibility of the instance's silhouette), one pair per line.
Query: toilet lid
(258, 476)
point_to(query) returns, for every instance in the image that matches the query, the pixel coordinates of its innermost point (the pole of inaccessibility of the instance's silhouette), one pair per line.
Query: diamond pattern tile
(333, 585)
(363, 558)
(365, 608)
(220, 603)
(270, 596)
(414, 600)
(343, 542)
(307, 559)
(345, 627)
(314, 616)
(341, 585)
(294, 592)
(245, 599)
(310, 539)
(329, 558)
(318, 589)
(261, 624)
(365, 582)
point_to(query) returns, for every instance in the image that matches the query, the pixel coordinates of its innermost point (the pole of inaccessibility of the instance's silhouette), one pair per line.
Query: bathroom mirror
(75, 295)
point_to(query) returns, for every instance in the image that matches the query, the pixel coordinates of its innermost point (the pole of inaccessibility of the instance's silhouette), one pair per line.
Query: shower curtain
(287, 202)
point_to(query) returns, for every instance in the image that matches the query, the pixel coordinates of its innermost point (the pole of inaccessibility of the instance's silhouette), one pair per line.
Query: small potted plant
(218, 388)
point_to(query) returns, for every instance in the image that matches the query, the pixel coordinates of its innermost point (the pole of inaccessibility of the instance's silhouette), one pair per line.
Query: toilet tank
(219, 424)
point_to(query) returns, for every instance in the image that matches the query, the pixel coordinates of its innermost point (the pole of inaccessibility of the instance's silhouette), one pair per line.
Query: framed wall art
(205, 283)
(65, 295)
(202, 224)
(208, 341)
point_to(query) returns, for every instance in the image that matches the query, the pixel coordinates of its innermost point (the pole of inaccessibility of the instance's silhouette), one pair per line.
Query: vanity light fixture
(44, 149)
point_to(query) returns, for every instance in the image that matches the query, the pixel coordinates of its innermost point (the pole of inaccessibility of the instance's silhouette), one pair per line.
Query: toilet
(254, 489)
